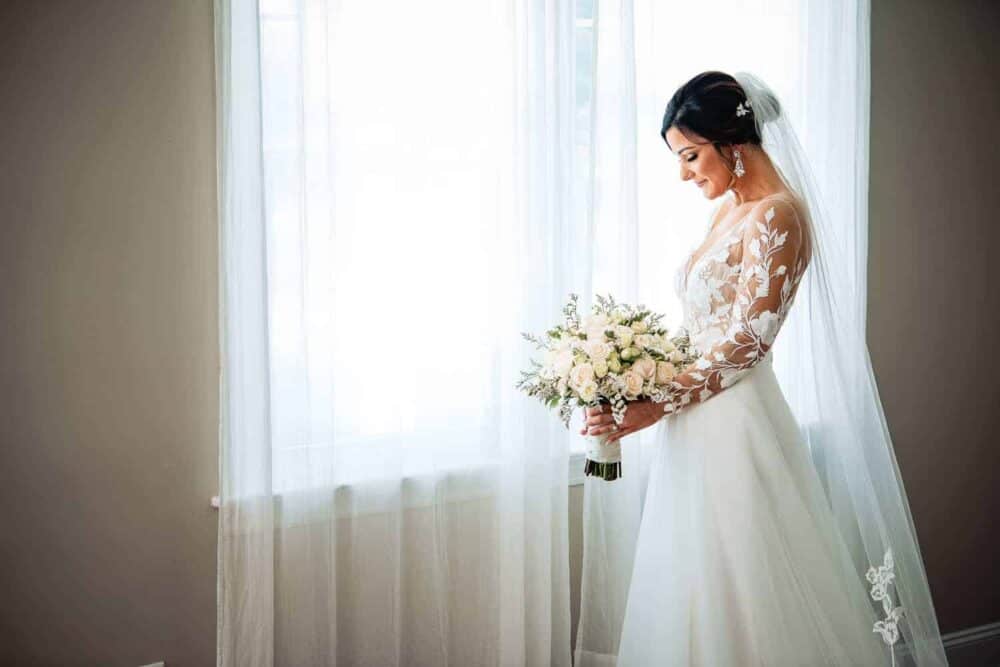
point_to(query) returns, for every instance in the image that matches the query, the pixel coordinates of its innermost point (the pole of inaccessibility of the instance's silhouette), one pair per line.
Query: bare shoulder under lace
(736, 295)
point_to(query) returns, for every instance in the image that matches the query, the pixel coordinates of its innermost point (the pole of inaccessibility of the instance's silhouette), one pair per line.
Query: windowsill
(575, 463)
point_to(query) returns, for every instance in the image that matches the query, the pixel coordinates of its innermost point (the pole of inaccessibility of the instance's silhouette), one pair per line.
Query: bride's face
(700, 163)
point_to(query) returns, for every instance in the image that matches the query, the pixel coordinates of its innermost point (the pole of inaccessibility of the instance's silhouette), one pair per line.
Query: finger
(620, 434)
(601, 419)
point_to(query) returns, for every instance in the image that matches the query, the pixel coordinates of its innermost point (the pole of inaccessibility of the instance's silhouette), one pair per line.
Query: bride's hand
(639, 415)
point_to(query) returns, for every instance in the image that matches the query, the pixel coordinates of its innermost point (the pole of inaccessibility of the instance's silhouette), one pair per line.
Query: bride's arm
(774, 258)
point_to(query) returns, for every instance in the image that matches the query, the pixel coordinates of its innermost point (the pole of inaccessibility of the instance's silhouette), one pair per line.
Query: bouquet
(618, 353)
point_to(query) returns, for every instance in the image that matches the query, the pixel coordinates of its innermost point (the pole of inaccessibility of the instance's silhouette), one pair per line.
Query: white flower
(597, 350)
(645, 367)
(624, 334)
(677, 356)
(665, 372)
(581, 374)
(561, 386)
(600, 368)
(633, 383)
(644, 340)
(639, 327)
(588, 390)
(563, 363)
(594, 321)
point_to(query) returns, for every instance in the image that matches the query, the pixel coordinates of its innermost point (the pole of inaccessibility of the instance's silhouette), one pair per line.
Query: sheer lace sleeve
(775, 253)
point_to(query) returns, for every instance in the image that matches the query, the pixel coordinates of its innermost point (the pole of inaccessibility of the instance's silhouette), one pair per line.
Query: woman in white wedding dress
(739, 559)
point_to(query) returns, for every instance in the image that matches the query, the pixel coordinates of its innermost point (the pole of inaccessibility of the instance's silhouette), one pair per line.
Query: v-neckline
(689, 265)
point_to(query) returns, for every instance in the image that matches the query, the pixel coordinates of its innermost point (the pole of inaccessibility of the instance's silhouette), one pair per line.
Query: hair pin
(742, 110)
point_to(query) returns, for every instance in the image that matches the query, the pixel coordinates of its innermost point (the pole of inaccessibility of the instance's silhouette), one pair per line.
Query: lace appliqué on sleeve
(774, 259)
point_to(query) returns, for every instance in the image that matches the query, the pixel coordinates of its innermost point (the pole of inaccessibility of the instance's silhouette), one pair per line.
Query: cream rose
(645, 367)
(597, 350)
(676, 356)
(639, 327)
(665, 372)
(581, 374)
(600, 368)
(633, 383)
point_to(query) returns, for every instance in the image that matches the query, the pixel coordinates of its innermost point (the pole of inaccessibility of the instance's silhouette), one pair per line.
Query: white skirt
(739, 560)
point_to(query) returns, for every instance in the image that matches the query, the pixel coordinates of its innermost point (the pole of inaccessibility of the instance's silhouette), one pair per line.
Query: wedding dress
(739, 560)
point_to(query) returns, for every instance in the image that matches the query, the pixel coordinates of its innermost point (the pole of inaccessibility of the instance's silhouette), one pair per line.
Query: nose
(686, 174)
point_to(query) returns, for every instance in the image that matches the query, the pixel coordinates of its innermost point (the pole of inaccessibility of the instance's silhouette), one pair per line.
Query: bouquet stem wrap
(604, 459)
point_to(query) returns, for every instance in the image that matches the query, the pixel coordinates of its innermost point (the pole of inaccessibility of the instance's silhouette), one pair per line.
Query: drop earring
(738, 169)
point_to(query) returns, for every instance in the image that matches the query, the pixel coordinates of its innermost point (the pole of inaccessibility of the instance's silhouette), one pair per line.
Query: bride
(749, 552)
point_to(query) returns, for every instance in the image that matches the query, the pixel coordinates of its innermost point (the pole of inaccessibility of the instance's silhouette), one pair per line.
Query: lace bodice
(736, 295)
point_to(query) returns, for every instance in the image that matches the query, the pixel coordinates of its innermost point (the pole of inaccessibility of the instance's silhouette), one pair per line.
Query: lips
(702, 183)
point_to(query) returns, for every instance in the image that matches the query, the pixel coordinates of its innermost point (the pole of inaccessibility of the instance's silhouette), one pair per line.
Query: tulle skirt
(738, 560)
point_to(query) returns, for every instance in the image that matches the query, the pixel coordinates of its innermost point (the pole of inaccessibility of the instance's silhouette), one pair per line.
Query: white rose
(588, 391)
(677, 356)
(639, 327)
(633, 383)
(644, 340)
(581, 374)
(597, 350)
(665, 372)
(600, 368)
(645, 367)
(563, 363)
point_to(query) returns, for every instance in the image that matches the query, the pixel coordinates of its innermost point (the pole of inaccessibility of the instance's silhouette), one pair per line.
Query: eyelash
(692, 158)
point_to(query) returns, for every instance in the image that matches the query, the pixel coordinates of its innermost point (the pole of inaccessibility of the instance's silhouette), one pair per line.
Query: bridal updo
(707, 105)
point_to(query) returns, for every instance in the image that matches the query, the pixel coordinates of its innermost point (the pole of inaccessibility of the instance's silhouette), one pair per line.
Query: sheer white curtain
(815, 55)
(396, 206)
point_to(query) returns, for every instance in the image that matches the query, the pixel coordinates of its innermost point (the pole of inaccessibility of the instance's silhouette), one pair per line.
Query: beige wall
(934, 304)
(108, 355)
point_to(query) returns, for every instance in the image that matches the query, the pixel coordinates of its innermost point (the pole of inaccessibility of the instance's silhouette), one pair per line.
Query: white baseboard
(988, 632)
(980, 639)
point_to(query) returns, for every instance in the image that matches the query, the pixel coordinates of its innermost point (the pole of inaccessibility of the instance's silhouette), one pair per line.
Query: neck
(761, 178)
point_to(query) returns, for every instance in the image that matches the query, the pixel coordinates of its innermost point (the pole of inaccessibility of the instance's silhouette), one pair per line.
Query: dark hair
(707, 106)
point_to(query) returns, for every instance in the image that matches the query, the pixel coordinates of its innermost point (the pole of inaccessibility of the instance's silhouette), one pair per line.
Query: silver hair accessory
(738, 169)
(743, 108)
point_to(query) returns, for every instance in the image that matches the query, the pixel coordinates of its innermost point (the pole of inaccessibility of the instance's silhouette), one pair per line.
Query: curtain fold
(395, 208)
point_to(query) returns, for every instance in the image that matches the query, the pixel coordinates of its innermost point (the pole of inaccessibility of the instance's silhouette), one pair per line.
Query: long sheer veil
(823, 365)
